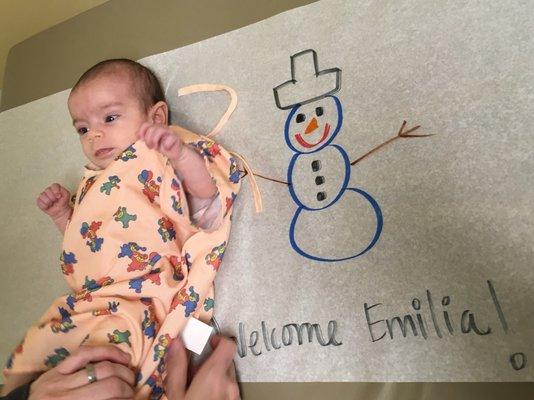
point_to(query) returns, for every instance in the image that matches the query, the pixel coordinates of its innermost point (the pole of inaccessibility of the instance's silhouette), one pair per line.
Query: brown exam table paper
(284, 63)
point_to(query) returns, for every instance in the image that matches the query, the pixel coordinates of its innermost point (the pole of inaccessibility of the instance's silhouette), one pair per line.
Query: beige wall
(21, 19)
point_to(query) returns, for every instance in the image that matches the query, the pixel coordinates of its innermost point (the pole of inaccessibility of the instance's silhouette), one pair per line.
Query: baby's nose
(94, 133)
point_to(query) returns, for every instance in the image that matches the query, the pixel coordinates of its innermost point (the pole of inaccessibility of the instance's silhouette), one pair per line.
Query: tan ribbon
(210, 87)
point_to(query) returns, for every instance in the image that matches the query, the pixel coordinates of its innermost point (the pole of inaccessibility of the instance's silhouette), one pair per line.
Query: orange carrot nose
(311, 126)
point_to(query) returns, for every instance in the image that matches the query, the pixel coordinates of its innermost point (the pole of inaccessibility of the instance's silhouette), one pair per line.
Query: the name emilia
(416, 325)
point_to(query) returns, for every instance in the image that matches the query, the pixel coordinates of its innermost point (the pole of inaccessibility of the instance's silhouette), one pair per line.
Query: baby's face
(106, 114)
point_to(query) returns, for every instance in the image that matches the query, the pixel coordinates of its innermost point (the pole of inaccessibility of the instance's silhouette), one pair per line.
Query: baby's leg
(13, 381)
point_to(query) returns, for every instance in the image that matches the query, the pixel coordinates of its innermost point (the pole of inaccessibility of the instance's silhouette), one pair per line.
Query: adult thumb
(176, 363)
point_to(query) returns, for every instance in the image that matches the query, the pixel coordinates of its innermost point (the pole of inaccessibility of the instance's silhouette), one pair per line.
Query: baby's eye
(81, 131)
(111, 118)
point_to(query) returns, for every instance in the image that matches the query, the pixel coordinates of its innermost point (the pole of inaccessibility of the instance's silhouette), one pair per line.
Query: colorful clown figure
(65, 324)
(189, 301)
(67, 262)
(138, 260)
(137, 283)
(235, 174)
(122, 216)
(112, 182)
(89, 232)
(118, 337)
(151, 186)
(177, 198)
(89, 286)
(319, 170)
(215, 257)
(59, 355)
(161, 348)
(127, 154)
(156, 386)
(229, 202)
(149, 324)
(166, 229)
(209, 148)
(180, 266)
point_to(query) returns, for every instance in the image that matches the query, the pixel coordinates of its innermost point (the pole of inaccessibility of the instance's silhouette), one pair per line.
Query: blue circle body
(302, 208)
(346, 163)
(378, 230)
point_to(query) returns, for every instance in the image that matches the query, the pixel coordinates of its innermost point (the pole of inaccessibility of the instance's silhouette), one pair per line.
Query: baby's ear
(159, 113)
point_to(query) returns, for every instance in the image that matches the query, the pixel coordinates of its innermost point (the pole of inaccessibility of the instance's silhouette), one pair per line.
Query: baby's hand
(54, 201)
(161, 138)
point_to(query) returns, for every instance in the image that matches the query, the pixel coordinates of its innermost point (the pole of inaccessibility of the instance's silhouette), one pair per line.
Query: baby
(146, 234)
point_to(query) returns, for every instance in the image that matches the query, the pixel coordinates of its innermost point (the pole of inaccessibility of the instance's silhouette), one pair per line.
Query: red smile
(304, 143)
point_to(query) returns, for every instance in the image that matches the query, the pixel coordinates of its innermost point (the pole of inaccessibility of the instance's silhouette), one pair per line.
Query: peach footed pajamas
(136, 261)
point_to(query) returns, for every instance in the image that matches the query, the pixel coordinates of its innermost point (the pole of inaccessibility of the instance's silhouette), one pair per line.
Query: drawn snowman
(319, 170)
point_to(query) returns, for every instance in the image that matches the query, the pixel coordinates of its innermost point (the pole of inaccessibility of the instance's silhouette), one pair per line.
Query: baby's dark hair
(147, 86)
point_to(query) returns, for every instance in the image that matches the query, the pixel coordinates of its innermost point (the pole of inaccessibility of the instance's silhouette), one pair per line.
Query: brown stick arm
(399, 135)
(245, 173)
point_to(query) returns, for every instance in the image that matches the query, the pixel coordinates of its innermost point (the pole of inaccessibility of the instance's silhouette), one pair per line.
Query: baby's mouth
(102, 153)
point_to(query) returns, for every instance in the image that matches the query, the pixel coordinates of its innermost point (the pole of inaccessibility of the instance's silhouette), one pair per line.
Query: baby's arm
(191, 169)
(54, 201)
(199, 187)
(187, 163)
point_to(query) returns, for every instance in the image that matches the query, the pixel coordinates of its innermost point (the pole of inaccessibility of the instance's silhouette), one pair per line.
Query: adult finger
(176, 363)
(104, 389)
(87, 354)
(224, 351)
(231, 372)
(103, 370)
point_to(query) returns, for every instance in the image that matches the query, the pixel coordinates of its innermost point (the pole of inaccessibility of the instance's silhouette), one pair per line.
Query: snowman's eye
(300, 118)
(319, 111)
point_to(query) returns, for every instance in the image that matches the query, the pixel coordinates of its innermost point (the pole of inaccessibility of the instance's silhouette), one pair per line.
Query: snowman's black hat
(306, 84)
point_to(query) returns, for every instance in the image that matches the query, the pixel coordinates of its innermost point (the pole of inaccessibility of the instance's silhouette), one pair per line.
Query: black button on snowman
(314, 121)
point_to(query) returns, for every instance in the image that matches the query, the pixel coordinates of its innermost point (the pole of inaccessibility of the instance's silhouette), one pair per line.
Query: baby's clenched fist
(161, 138)
(54, 201)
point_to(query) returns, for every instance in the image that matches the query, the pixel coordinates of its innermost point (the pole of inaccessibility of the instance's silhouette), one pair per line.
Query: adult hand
(69, 379)
(214, 380)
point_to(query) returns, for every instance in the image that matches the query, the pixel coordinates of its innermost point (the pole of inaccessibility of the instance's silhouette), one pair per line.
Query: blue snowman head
(316, 115)
(312, 126)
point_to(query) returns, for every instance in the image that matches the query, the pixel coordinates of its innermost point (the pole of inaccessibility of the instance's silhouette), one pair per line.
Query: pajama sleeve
(204, 211)
(202, 214)
(203, 237)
